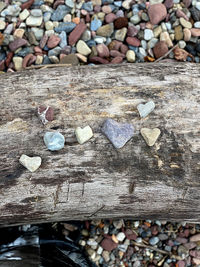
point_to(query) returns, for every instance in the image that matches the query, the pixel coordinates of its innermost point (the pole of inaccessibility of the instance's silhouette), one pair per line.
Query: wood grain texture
(95, 180)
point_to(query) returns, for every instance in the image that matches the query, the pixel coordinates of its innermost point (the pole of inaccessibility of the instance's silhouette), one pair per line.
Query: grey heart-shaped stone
(145, 109)
(118, 133)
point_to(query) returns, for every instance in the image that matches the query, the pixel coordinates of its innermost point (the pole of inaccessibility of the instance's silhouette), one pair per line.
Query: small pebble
(31, 163)
(150, 135)
(54, 141)
(146, 109)
(118, 133)
(83, 134)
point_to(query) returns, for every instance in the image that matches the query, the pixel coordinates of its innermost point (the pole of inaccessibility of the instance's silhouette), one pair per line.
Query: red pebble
(9, 58)
(2, 65)
(115, 53)
(27, 4)
(116, 60)
(102, 50)
(28, 60)
(53, 41)
(99, 60)
(76, 33)
(133, 41)
(108, 244)
(123, 48)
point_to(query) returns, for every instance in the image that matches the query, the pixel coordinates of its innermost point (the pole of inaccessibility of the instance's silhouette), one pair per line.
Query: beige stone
(164, 36)
(39, 60)
(81, 57)
(130, 56)
(49, 25)
(24, 14)
(31, 163)
(185, 23)
(19, 33)
(67, 18)
(17, 63)
(157, 31)
(150, 135)
(83, 48)
(187, 34)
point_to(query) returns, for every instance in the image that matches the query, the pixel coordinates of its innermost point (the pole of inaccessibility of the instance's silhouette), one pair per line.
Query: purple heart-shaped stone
(118, 133)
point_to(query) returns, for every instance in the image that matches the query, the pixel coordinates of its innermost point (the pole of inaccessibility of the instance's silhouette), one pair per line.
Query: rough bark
(95, 180)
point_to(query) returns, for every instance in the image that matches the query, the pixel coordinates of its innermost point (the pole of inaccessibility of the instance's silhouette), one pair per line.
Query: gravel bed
(127, 243)
(36, 32)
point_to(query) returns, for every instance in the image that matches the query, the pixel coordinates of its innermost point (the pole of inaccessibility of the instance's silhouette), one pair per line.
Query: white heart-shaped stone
(150, 135)
(145, 109)
(83, 135)
(31, 163)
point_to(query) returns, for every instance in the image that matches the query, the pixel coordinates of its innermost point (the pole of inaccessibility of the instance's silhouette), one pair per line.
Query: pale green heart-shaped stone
(31, 163)
(83, 135)
(150, 135)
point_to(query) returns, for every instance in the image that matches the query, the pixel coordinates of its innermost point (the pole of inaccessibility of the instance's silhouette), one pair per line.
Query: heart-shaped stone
(54, 140)
(31, 163)
(83, 135)
(117, 133)
(145, 109)
(150, 135)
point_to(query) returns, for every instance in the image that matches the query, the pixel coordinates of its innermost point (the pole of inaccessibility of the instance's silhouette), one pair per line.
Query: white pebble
(120, 236)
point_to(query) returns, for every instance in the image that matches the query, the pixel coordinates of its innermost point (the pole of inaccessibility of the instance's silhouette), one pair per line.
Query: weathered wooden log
(94, 180)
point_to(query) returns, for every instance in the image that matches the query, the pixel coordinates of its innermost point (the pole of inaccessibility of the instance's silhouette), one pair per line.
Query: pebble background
(113, 243)
(36, 32)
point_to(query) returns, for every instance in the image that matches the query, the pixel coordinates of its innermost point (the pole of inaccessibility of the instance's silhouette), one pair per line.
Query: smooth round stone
(197, 24)
(36, 12)
(49, 25)
(24, 14)
(83, 48)
(65, 26)
(152, 43)
(120, 236)
(135, 19)
(145, 17)
(185, 23)
(99, 39)
(54, 52)
(2, 25)
(54, 141)
(144, 44)
(86, 36)
(88, 6)
(63, 39)
(38, 33)
(9, 29)
(47, 16)
(148, 34)
(105, 30)
(142, 52)
(121, 34)
(17, 63)
(182, 44)
(153, 241)
(95, 24)
(69, 3)
(67, 18)
(34, 21)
